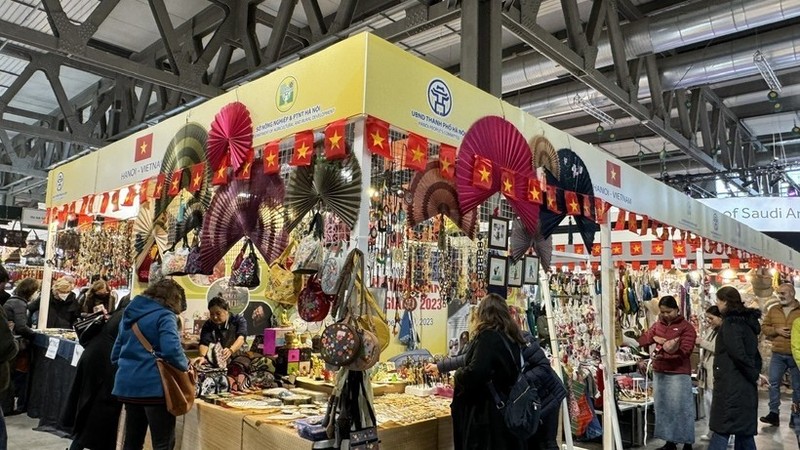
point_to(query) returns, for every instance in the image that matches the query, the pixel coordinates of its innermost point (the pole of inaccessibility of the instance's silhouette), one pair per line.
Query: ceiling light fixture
(592, 110)
(767, 73)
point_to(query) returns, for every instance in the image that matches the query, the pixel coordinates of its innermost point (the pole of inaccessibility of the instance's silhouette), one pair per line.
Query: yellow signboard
(71, 181)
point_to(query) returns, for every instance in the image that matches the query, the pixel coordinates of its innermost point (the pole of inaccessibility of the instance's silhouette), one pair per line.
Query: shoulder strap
(498, 401)
(143, 340)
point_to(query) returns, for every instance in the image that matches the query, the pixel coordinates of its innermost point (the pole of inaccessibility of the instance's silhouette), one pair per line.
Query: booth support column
(364, 158)
(607, 307)
(47, 276)
(481, 45)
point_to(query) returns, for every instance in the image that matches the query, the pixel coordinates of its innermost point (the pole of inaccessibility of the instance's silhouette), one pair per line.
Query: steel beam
(49, 134)
(482, 46)
(418, 19)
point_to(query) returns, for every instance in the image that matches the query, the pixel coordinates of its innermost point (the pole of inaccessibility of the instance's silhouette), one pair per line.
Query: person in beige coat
(777, 328)
(705, 371)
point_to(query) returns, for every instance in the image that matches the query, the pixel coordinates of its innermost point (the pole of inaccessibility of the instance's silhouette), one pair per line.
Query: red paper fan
(498, 140)
(231, 133)
(432, 194)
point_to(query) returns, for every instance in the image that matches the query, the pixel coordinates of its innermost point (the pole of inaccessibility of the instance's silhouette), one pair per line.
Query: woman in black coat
(91, 410)
(477, 424)
(737, 364)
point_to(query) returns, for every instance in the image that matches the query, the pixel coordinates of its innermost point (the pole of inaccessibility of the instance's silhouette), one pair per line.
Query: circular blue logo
(60, 181)
(439, 97)
(715, 222)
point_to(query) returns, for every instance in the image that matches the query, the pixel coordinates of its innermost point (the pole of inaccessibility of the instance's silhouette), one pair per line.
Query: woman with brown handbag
(139, 381)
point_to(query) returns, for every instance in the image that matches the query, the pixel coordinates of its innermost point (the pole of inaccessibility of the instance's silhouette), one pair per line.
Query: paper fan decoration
(521, 240)
(333, 186)
(574, 177)
(187, 148)
(236, 211)
(431, 195)
(147, 232)
(544, 155)
(499, 141)
(231, 134)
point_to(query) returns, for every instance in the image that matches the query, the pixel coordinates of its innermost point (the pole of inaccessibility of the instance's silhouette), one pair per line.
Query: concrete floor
(22, 437)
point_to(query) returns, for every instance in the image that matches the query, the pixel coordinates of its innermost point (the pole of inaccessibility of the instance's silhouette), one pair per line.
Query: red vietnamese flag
(734, 263)
(600, 208)
(560, 248)
(632, 222)
(447, 161)
(129, 196)
(378, 137)
(596, 249)
(636, 248)
(571, 266)
(656, 248)
(678, 249)
(90, 204)
(579, 249)
(652, 264)
(667, 264)
(482, 173)
(303, 149)
(616, 248)
(613, 174)
(636, 265)
(335, 142)
(595, 266)
(716, 264)
(246, 169)
(175, 183)
(571, 200)
(84, 204)
(416, 155)
(645, 225)
(534, 193)
(552, 200)
(73, 208)
(115, 200)
(508, 183)
(103, 203)
(220, 175)
(144, 147)
(158, 191)
(198, 174)
(272, 161)
(143, 191)
(588, 203)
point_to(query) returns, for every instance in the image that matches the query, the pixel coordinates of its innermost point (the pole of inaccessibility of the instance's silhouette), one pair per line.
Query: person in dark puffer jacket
(550, 389)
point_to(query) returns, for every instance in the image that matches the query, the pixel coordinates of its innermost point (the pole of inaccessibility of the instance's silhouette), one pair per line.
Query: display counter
(49, 381)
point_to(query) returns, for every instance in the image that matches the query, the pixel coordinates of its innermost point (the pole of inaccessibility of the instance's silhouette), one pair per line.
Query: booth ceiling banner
(71, 181)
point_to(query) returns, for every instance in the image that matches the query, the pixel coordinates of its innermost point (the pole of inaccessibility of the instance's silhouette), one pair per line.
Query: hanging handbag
(16, 238)
(89, 326)
(341, 342)
(313, 305)
(285, 286)
(174, 260)
(248, 273)
(155, 274)
(331, 270)
(68, 240)
(179, 386)
(34, 247)
(365, 437)
(193, 265)
(308, 257)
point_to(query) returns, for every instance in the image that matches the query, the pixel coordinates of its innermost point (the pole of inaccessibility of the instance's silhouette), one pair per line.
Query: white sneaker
(705, 437)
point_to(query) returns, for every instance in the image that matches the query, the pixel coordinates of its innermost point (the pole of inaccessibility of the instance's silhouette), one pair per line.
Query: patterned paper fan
(544, 155)
(187, 148)
(501, 142)
(147, 232)
(522, 240)
(334, 186)
(432, 195)
(237, 211)
(231, 134)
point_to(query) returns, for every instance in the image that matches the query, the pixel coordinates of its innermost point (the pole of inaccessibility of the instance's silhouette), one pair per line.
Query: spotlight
(777, 107)
(772, 96)
(612, 136)
(600, 129)
(796, 129)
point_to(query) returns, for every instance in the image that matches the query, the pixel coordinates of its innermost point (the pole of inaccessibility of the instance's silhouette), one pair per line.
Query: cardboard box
(293, 368)
(273, 339)
(293, 355)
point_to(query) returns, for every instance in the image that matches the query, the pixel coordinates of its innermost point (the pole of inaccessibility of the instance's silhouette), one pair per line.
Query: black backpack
(521, 410)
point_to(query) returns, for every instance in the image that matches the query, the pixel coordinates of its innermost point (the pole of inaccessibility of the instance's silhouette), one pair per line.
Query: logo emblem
(715, 222)
(60, 181)
(439, 97)
(286, 95)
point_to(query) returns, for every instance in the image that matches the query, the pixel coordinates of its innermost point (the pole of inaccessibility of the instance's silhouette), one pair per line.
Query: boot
(687, 446)
(772, 419)
(668, 446)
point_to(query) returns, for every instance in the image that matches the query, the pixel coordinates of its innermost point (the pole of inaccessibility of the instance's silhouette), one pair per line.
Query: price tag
(52, 348)
(76, 354)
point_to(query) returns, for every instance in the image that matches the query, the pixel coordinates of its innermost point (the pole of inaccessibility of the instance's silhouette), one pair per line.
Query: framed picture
(531, 270)
(497, 271)
(498, 233)
(515, 273)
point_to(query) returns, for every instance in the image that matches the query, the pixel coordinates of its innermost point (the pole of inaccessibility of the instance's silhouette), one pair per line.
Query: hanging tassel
(442, 234)
(569, 231)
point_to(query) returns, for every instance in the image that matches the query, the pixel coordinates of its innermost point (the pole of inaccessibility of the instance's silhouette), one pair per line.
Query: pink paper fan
(231, 133)
(501, 142)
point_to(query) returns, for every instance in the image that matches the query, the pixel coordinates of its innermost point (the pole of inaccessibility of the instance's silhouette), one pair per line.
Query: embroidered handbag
(248, 273)
(285, 286)
(174, 262)
(341, 343)
(211, 380)
(193, 265)
(365, 437)
(312, 304)
(331, 270)
(155, 274)
(308, 258)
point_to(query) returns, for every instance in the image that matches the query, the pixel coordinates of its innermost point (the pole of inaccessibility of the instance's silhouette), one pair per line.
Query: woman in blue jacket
(138, 383)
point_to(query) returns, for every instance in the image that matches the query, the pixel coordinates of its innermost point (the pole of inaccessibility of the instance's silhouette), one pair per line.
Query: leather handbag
(365, 437)
(16, 238)
(179, 386)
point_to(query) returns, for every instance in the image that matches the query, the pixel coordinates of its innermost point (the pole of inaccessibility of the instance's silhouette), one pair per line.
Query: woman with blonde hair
(64, 309)
(477, 423)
